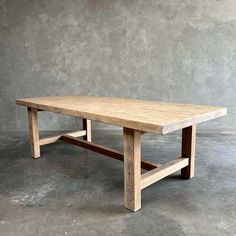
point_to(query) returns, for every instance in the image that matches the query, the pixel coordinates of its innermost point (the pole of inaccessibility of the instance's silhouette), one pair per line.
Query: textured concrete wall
(171, 50)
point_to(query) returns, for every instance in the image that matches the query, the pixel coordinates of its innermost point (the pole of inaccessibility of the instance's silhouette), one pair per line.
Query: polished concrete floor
(72, 191)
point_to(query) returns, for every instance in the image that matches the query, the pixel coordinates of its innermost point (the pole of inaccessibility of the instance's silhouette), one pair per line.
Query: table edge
(146, 127)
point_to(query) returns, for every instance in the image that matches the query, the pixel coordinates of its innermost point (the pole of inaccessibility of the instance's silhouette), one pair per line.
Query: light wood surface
(161, 172)
(136, 117)
(55, 138)
(132, 169)
(149, 116)
(188, 150)
(34, 132)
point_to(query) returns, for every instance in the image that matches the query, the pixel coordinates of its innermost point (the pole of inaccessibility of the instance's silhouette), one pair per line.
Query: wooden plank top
(149, 116)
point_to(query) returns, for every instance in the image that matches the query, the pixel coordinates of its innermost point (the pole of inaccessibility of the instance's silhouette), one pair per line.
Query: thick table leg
(132, 169)
(188, 150)
(34, 132)
(87, 127)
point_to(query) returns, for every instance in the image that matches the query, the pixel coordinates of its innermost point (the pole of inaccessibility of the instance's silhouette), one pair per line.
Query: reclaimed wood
(55, 138)
(132, 170)
(149, 165)
(188, 150)
(149, 116)
(161, 172)
(34, 132)
(136, 117)
(87, 126)
(146, 165)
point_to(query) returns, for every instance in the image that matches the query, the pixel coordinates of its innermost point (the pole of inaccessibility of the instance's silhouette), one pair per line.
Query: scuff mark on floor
(34, 196)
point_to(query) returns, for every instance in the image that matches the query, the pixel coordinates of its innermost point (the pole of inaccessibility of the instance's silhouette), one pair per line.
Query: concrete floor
(72, 191)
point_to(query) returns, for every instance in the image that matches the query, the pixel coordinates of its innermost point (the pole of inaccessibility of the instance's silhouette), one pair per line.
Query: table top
(148, 116)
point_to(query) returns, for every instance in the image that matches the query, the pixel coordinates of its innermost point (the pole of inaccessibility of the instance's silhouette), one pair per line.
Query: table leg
(188, 150)
(34, 132)
(132, 169)
(87, 127)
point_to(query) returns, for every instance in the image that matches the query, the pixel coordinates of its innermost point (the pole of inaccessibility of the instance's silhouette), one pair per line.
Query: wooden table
(136, 117)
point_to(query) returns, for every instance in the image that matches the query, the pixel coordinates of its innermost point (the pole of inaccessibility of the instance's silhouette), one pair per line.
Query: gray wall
(171, 50)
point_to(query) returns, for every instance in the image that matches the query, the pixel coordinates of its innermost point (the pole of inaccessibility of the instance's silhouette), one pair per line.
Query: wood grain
(161, 172)
(132, 170)
(55, 138)
(34, 132)
(149, 116)
(188, 150)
